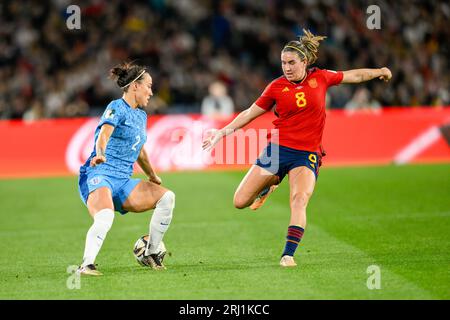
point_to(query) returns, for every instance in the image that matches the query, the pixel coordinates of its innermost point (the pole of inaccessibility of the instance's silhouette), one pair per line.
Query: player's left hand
(386, 74)
(213, 136)
(155, 179)
(97, 160)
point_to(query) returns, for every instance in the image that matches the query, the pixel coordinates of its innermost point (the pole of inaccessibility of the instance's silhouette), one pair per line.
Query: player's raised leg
(101, 208)
(255, 181)
(301, 181)
(146, 196)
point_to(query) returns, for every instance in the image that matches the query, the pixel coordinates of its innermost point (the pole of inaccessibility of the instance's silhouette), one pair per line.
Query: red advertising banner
(59, 147)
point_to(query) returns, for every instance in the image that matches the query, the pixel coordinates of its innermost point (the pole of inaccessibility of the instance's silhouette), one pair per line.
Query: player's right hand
(213, 136)
(97, 160)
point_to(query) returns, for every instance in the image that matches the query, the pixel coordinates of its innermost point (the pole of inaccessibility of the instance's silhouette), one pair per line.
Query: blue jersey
(125, 143)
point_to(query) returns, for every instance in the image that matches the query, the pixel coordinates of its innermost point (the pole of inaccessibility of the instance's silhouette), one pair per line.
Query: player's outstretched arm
(100, 146)
(145, 165)
(362, 75)
(242, 119)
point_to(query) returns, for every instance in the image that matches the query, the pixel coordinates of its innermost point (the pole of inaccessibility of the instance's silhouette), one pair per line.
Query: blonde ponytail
(307, 46)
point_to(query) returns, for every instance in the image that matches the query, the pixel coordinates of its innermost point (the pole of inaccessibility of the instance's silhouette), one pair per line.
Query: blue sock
(294, 235)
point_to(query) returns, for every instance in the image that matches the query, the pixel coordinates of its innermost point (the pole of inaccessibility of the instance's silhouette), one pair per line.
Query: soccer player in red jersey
(299, 100)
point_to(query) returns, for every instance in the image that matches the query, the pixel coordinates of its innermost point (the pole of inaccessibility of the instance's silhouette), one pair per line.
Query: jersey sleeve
(332, 78)
(113, 115)
(266, 100)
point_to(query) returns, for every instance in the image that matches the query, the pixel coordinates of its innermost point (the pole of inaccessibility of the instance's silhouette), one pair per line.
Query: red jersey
(300, 107)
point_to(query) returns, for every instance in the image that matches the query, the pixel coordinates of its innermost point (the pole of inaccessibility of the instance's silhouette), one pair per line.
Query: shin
(160, 221)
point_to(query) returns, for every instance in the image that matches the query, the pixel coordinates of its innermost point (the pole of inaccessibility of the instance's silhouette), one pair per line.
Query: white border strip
(418, 145)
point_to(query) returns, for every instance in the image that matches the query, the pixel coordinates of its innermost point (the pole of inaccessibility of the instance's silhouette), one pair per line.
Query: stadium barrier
(395, 135)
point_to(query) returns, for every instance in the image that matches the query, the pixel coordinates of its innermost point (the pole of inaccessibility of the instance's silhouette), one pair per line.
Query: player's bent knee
(240, 205)
(167, 201)
(240, 202)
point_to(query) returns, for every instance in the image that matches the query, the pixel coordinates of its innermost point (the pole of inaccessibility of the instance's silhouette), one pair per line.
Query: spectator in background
(362, 101)
(199, 41)
(77, 108)
(218, 103)
(55, 99)
(36, 112)
(156, 106)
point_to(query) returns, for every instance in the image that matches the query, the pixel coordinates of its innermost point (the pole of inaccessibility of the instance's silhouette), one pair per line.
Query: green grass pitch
(397, 218)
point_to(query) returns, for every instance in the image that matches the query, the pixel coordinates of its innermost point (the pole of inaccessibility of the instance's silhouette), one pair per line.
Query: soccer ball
(139, 249)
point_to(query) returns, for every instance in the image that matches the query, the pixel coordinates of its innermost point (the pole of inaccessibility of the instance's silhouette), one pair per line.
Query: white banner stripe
(418, 145)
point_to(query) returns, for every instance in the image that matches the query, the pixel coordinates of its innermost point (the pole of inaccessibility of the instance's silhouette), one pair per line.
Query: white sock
(162, 215)
(103, 221)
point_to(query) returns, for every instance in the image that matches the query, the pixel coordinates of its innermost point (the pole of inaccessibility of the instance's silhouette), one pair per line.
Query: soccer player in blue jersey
(105, 183)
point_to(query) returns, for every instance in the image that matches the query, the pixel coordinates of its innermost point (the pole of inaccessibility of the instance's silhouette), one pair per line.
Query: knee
(104, 218)
(167, 201)
(300, 199)
(239, 202)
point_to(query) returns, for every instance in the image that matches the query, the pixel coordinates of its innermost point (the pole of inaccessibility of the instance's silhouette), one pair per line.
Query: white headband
(140, 74)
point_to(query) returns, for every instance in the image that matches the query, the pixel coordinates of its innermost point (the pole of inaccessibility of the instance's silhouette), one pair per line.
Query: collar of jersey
(124, 101)
(297, 83)
(137, 108)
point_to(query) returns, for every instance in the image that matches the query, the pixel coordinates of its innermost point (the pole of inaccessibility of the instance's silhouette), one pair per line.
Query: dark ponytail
(125, 73)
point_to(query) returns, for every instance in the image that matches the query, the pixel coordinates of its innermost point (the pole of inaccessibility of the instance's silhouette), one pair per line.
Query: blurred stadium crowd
(47, 70)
